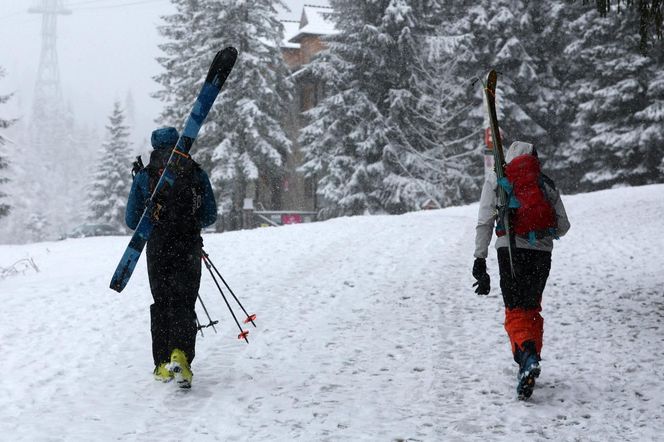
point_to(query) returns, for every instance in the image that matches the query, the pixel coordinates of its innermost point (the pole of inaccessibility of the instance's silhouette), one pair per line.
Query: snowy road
(368, 329)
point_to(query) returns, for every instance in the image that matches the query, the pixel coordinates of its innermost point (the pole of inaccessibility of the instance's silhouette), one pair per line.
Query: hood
(164, 138)
(517, 149)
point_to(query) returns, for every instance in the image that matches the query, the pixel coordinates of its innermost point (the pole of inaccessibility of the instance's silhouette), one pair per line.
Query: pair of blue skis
(219, 70)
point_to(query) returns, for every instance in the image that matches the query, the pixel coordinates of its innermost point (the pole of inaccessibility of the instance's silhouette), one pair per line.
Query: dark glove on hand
(483, 283)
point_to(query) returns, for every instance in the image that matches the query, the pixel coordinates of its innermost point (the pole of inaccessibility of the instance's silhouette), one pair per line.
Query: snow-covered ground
(368, 329)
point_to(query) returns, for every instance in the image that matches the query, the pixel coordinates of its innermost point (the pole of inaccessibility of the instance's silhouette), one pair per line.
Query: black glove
(483, 283)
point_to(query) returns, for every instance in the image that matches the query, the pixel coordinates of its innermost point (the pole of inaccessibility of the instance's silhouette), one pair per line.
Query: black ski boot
(529, 370)
(526, 379)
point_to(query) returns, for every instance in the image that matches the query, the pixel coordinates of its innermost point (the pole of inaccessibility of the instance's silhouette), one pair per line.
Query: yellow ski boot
(162, 373)
(180, 369)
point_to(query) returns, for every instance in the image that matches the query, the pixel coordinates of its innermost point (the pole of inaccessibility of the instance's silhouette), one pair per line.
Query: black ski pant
(531, 270)
(174, 270)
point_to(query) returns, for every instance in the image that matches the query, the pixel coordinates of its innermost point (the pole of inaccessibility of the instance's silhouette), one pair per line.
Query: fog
(106, 49)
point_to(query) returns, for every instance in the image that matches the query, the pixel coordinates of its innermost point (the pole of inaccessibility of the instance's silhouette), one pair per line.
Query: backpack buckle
(155, 210)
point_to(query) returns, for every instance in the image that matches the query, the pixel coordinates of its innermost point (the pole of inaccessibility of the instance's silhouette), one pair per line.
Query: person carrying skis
(173, 254)
(524, 269)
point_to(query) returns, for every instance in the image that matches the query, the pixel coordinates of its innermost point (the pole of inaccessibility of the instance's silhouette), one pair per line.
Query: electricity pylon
(47, 101)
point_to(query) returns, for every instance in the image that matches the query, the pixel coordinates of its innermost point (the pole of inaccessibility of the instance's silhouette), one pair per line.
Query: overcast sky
(106, 48)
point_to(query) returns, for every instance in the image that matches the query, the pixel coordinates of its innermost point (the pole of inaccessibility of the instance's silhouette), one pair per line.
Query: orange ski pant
(524, 325)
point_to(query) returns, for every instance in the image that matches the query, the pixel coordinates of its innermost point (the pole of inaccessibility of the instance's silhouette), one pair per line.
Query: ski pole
(211, 323)
(250, 318)
(243, 333)
(199, 326)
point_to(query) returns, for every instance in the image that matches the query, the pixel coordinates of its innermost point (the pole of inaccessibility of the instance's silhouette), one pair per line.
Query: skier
(173, 255)
(525, 269)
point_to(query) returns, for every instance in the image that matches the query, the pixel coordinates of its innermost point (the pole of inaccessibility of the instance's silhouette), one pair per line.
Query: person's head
(519, 148)
(164, 138)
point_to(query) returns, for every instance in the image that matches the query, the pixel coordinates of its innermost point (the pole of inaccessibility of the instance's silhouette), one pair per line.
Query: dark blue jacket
(140, 192)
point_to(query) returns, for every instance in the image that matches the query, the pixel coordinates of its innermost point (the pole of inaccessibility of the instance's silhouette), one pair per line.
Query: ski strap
(512, 202)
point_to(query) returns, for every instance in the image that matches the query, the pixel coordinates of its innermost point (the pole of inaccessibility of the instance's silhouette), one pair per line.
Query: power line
(24, 20)
(76, 6)
(87, 2)
(12, 15)
(122, 5)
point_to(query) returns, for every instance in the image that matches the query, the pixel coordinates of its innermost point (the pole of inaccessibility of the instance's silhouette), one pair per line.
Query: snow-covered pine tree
(37, 226)
(130, 109)
(616, 135)
(429, 159)
(454, 89)
(651, 140)
(377, 142)
(249, 158)
(650, 23)
(111, 182)
(549, 37)
(4, 179)
(242, 142)
(4, 160)
(528, 49)
(184, 71)
(505, 37)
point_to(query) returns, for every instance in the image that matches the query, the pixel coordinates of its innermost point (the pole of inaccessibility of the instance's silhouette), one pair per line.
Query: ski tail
(129, 259)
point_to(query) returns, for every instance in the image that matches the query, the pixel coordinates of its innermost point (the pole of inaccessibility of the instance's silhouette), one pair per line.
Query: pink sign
(291, 219)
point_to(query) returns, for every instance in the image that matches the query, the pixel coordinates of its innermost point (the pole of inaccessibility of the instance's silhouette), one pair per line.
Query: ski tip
(221, 65)
(492, 79)
(231, 51)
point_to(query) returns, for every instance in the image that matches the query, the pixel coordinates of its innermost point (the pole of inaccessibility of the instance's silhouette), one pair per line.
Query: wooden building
(292, 199)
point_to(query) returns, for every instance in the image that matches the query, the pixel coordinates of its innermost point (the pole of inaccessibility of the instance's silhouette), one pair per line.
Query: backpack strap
(547, 183)
(512, 202)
